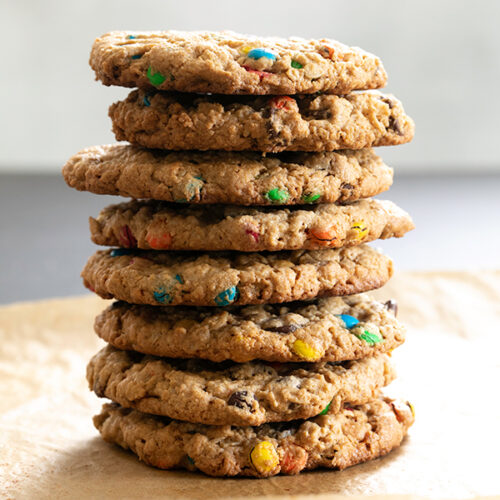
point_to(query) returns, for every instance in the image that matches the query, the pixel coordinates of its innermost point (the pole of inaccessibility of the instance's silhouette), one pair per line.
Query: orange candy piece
(323, 238)
(294, 459)
(159, 242)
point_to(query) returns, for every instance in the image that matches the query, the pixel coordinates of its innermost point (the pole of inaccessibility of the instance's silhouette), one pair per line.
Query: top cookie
(230, 63)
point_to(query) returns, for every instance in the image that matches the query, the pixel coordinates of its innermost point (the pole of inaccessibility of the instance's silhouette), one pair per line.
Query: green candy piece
(156, 78)
(296, 65)
(370, 338)
(277, 195)
(325, 411)
(311, 198)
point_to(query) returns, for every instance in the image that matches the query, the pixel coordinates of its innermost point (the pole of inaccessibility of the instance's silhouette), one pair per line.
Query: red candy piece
(254, 234)
(126, 238)
(281, 102)
(161, 242)
(262, 74)
(294, 459)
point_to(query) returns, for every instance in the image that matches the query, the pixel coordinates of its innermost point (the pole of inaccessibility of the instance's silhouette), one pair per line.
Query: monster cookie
(165, 278)
(230, 63)
(327, 329)
(268, 124)
(234, 393)
(156, 225)
(335, 441)
(241, 178)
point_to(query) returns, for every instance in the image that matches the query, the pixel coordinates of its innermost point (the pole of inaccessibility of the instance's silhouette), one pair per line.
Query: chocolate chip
(273, 128)
(346, 185)
(283, 329)
(388, 102)
(239, 400)
(392, 305)
(396, 126)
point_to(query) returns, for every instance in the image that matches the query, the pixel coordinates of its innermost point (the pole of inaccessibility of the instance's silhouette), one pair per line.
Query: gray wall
(442, 58)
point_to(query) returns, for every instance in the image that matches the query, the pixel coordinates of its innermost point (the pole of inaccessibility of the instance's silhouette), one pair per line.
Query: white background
(443, 60)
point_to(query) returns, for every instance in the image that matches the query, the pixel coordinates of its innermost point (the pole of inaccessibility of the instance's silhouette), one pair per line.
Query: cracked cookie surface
(238, 178)
(230, 63)
(267, 124)
(353, 435)
(165, 278)
(327, 329)
(250, 393)
(155, 225)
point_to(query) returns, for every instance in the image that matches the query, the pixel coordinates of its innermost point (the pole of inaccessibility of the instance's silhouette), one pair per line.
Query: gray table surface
(44, 239)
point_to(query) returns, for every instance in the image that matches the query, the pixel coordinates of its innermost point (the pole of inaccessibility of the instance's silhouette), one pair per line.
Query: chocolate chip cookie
(156, 225)
(238, 178)
(267, 124)
(335, 441)
(164, 278)
(250, 393)
(326, 329)
(229, 63)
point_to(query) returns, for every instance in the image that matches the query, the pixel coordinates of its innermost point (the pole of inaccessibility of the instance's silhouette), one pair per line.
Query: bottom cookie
(335, 441)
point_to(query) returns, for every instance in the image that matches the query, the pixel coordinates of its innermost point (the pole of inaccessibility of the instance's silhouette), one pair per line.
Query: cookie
(229, 63)
(224, 278)
(269, 124)
(327, 329)
(241, 178)
(156, 225)
(335, 441)
(250, 393)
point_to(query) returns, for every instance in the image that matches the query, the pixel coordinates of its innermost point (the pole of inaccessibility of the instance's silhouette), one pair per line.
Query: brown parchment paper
(449, 368)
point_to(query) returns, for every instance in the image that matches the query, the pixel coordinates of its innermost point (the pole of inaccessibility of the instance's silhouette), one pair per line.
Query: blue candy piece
(120, 251)
(227, 296)
(131, 37)
(161, 295)
(349, 321)
(136, 56)
(165, 293)
(258, 53)
(146, 101)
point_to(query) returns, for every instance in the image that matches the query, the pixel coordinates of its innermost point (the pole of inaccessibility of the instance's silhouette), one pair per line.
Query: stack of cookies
(240, 341)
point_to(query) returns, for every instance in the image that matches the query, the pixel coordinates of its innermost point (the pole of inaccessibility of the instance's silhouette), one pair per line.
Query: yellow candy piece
(245, 49)
(305, 351)
(412, 409)
(264, 457)
(360, 229)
